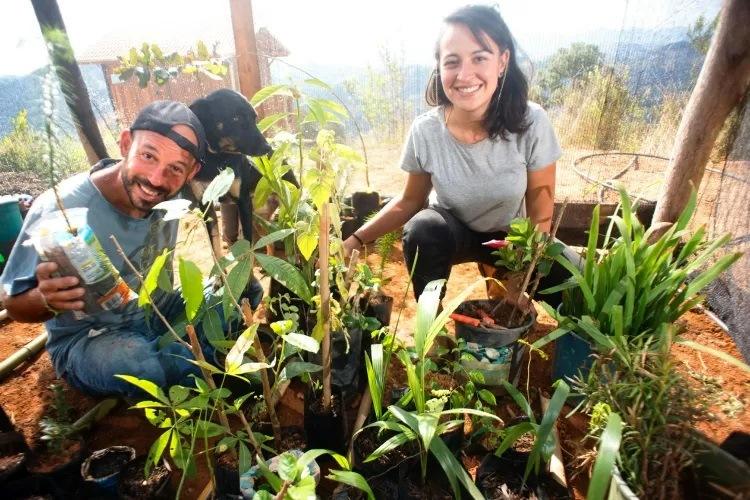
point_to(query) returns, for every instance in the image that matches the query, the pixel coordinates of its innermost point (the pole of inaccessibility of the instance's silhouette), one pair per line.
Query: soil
(25, 395)
(134, 485)
(108, 464)
(11, 462)
(47, 461)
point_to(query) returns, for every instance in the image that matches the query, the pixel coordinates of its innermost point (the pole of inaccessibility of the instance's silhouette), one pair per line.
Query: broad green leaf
(151, 389)
(352, 479)
(272, 238)
(205, 428)
(151, 282)
(237, 280)
(286, 467)
(286, 274)
(250, 368)
(520, 400)
(178, 394)
(191, 283)
(212, 327)
(545, 427)
(512, 434)
(609, 446)
(304, 342)
(269, 91)
(218, 187)
(426, 310)
(297, 368)
(245, 458)
(157, 450)
(487, 397)
(307, 240)
(271, 120)
(273, 480)
(318, 83)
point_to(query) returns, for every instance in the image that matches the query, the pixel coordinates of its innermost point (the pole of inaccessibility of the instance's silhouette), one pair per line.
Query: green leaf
(178, 394)
(304, 342)
(286, 468)
(245, 458)
(307, 240)
(151, 282)
(151, 389)
(545, 427)
(191, 283)
(157, 450)
(717, 353)
(453, 469)
(512, 434)
(520, 400)
(352, 479)
(237, 281)
(272, 238)
(271, 120)
(270, 91)
(297, 368)
(236, 354)
(609, 446)
(218, 187)
(318, 83)
(205, 428)
(487, 397)
(212, 328)
(286, 274)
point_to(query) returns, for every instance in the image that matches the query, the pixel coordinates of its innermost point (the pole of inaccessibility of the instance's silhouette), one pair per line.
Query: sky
(332, 31)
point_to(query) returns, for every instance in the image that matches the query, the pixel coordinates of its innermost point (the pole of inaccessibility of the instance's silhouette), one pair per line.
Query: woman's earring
(501, 80)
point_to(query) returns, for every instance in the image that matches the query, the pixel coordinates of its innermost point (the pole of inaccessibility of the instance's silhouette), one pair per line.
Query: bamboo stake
(325, 305)
(23, 354)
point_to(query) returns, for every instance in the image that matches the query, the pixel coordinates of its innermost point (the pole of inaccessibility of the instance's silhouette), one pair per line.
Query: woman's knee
(427, 227)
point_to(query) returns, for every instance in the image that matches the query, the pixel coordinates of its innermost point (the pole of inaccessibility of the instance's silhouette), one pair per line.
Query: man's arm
(51, 295)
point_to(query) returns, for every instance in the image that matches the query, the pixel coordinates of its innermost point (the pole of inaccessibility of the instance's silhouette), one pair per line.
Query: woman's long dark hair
(507, 114)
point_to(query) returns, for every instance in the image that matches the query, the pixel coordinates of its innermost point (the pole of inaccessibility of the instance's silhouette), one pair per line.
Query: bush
(24, 150)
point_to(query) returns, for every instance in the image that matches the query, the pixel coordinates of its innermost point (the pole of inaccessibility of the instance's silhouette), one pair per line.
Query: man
(161, 152)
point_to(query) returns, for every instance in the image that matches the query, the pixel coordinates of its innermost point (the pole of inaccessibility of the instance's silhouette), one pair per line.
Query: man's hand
(59, 294)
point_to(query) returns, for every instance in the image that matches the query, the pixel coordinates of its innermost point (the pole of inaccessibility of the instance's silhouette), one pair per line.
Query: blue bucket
(572, 355)
(10, 219)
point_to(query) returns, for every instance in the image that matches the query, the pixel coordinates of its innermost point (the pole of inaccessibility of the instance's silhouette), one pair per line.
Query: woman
(488, 154)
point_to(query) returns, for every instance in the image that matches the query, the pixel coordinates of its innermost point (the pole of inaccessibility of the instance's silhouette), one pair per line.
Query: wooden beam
(245, 46)
(721, 86)
(71, 81)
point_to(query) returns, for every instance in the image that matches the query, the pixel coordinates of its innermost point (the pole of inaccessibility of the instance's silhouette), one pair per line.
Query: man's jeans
(93, 362)
(437, 240)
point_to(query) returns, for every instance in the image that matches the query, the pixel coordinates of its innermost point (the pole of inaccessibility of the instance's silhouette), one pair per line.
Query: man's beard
(129, 183)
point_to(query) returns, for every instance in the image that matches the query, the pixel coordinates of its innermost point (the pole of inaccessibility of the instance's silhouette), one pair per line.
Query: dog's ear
(202, 110)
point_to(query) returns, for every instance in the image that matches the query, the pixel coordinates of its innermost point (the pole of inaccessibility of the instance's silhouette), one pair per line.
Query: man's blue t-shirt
(141, 239)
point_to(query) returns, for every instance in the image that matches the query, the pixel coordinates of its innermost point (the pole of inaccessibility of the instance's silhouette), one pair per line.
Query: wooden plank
(245, 47)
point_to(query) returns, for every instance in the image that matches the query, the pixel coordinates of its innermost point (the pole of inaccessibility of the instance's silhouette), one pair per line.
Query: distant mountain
(25, 92)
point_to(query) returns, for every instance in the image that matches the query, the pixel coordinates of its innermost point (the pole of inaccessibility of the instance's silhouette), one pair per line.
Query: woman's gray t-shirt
(483, 184)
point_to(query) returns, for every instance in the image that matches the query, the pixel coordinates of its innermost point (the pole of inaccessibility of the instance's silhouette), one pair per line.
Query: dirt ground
(25, 395)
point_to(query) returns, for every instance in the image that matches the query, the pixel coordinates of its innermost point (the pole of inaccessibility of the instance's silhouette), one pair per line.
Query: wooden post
(71, 81)
(721, 85)
(325, 305)
(245, 47)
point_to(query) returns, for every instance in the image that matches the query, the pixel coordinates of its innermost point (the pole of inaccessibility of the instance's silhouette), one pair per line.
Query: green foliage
(24, 150)
(636, 284)
(701, 32)
(57, 427)
(544, 438)
(600, 113)
(149, 64)
(524, 240)
(609, 446)
(565, 67)
(382, 97)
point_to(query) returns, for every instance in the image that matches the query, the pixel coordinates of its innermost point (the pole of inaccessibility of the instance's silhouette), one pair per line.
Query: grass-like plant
(636, 283)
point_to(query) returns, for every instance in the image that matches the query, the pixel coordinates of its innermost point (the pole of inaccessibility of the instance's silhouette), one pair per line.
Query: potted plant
(490, 330)
(516, 466)
(425, 420)
(102, 468)
(133, 484)
(631, 287)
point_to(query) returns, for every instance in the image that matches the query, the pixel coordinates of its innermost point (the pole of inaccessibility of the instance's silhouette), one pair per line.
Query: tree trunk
(245, 47)
(721, 85)
(69, 74)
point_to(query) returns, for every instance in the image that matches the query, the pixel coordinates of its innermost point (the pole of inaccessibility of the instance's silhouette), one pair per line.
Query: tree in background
(382, 96)
(600, 113)
(563, 69)
(700, 33)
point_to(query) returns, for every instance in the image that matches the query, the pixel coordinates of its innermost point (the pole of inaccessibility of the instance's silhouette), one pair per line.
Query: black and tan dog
(232, 133)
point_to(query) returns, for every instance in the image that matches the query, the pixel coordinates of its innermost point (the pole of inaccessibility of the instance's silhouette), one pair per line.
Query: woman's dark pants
(438, 240)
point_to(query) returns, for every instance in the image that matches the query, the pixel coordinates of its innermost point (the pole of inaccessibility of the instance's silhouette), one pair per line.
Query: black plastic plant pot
(508, 469)
(35, 486)
(347, 361)
(379, 307)
(63, 467)
(348, 226)
(13, 455)
(324, 427)
(365, 204)
(227, 475)
(103, 467)
(134, 484)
